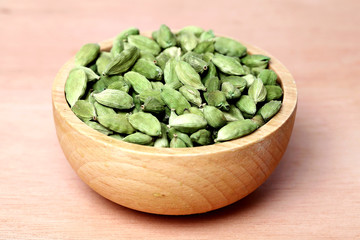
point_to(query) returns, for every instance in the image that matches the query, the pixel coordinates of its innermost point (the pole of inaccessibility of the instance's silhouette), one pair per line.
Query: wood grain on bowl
(174, 181)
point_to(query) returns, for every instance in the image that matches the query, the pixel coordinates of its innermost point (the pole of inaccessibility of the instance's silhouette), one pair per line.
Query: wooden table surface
(313, 194)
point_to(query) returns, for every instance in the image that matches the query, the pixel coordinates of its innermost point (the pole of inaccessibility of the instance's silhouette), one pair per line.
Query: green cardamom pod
(214, 117)
(126, 33)
(116, 136)
(211, 72)
(137, 103)
(146, 123)
(188, 76)
(257, 91)
(202, 137)
(117, 47)
(172, 132)
(148, 69)
(217, 99)
(188, 123)
(87, 53)
(197, 111)
(151, 93)
(249, 79)
(229, 47)
(273, 92)
(120, 85)
(208, 35)
(187, 40)
(103, 110)
(144, 44)
(230, 91)
(170, 76)
(246, 105)
(205, 46)
(98, 127)
(227, 64)
(153, 105)
(114, 99)
(269, 109)
(255, 60)
(117, 123)
(174, 100)
(138, 138)
(238, 82)
(246, 69)
(157, 85)
(165, 37)
(258, 120)
(90, 74)
(155, 34)
(177, 143)
(166, 55)
(84, 110)
(147, 56)
(235, 130)
(162, 142)
(197, 31)
(268, 77)
(75, 86)
(172, 116)
(137, 81)
(233, 114)
(196, 61)
(191, 94)
(103, 60)
(122, 62)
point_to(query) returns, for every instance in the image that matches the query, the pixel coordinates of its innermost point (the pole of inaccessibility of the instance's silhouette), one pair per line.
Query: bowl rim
(289, 105)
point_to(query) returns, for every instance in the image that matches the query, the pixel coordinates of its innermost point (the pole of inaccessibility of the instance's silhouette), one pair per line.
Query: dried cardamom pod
(98, 127)
(153, 105)
(90, 74)
(122, 62)
(75, 86)
(87, 53)
(230, 91)
(177, 143)
(138, 138)
(257, 91)
(146, 123)
(187, 40)
(172, 132)
(227, 64)
(170, 76)
(174, 100)
(205, 46)
(233, 114)
(217, 99)
(120, 85)
(229, 47)
(197, 31)
(255, 60)
(165, 37)
(103, 110)
(114, 99)
(246, 105)
(148, 69)
(236, 129)
(269, 109)
(214, 117)
(268, 77)
(205, 36)
(188, 76)
(202, 137)
(138, 82)
(116, 122)
(273, 92)
(144, 44)
(84, 110)
(103, 60)
(188, 123)
(196, 61)
(191, 94)
(162, 142)
(238, 82)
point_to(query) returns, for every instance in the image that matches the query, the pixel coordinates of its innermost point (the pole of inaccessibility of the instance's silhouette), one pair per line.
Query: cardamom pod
(87, 53)
(205, 36)
(229, 47)
(114, 99)
(205, 46)
(123, 61)
(165, 37)
(90, 74)
(249, 79)
(238, 82)
(273, 92)
(103, 60)
(144, 44)
(170, 76)
(103, 110)
(172, 132)
(148, 69)
(233, 114)
(257, 91)
(227, 64)
(117, 123)
(153, 105)
(246, 105)
(174, 100)
(138, 82)
(269, 109)
(258, 120)
(211, 72)
(214, 117)
(84, 110)
(75, 86)
(138, 138)
(202, 137)
(217, 99)
(146, 123)
(191, 94)
(177, 143)
(230, 91)
(162, 142)
(120, 85)
(157, 85)
(116, 136)
(235, 130)
(98, 127)
(188, 76)
(187, 40)
(255, 60)
(197, 31)
(196, 111)
(150, 93)
(188, 123)
(268, 77)
(196, 62)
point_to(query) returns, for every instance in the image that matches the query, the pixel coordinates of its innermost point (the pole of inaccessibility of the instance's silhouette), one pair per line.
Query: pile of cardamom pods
(183, 89)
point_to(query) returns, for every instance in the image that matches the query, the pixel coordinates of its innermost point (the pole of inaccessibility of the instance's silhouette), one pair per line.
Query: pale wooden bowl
(174, 181)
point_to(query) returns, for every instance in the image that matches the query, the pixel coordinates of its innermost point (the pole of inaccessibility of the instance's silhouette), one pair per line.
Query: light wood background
(313, 194)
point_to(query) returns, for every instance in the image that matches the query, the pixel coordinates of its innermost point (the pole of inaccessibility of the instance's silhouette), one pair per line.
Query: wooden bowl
(174, 181)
